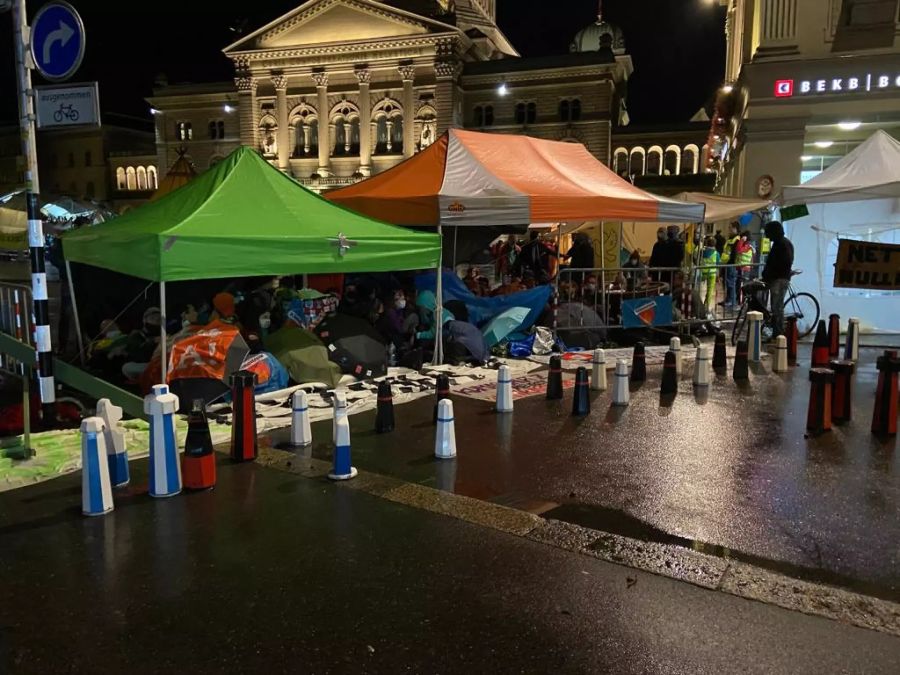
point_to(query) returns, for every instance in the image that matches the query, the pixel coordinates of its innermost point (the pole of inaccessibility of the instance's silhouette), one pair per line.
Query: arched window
(654, 161)
(184, 131)
(345, 120)
(479, 116)
(520, 113)
(690, 159)
(531, 113)
(305, 126)
(564, 111)
(121, 184)
(488, 115)
(268, 135)
(397, 130)
(213, 132)
(620, 163)
(426, 121)
(130, 179)
(388, 117)
(152, 178)
(141, 178)
(672, 161)
(638, 160)
(576, 109)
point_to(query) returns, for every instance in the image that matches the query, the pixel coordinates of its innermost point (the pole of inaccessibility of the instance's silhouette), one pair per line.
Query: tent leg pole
(455, 233)
(163, 352)
(439, 306)
(559, 227)
(78, 334)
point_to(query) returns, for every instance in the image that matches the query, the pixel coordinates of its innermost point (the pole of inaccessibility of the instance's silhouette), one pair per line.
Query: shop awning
(470, 178)
(243, 217)
(870, 171)
(719, 208)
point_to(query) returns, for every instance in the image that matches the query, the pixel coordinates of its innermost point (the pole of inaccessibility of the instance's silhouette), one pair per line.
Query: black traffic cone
(741, 370)
(841, 392)
(581, 401)
(198, 463)
(639, 363)
(818, 414)
(720, 353)
(821, 352)
(670, 375)
(443, 391)
(884, 415)
(554, 379)
(384, 416)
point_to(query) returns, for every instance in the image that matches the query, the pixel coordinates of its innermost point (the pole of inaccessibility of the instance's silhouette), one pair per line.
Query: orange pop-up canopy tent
(471, 178)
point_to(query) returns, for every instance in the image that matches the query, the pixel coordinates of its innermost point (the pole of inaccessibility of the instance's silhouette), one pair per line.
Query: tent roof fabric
(719, 208)
(471, 178)
(243, 217)
(180, 173)
(870, 171)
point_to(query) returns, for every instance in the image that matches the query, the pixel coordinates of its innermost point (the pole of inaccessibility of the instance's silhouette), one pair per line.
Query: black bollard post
(243, 423)
(720, 353)
(443, 391)
(198, 463)
(793, 339)
(834, 336)
(884, 416)
(670, 375)
(581, 401)
(821, 351)
(841, 392)
(384, 416)
(741, 370)
(554, 379)
(639, 363)
(818, 414)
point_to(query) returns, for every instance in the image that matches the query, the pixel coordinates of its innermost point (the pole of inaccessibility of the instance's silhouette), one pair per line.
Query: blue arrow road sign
(57, 41)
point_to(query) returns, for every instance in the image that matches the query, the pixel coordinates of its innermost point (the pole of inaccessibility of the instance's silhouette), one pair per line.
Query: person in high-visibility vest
(709, 261)
(729, 258)
(743, 257)
(764, 248)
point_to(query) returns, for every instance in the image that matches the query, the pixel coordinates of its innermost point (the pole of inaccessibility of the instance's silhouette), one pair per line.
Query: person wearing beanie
(777, 273)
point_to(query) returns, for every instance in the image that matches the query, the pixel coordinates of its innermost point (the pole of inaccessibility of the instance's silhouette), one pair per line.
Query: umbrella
(463, 340)
(582, 325)
(304, 356)
(354, 345)
(505, 323)
(201, 362)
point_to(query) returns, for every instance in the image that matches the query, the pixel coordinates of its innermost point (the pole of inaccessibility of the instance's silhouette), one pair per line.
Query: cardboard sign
(867, 264)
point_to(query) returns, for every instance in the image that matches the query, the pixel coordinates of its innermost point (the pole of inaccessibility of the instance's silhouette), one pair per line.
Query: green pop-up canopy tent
(241, 218)
(244, 217)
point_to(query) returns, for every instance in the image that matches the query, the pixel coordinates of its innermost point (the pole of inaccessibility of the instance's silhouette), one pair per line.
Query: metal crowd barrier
(15, 320)
(614, 285)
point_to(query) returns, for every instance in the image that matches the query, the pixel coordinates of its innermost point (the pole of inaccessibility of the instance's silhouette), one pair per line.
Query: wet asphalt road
(275, 573)
(732, 475)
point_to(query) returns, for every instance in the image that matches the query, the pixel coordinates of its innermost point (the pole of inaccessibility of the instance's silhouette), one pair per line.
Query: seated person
(471, 281)
(635, 272)
(141, 344)
(427, 305)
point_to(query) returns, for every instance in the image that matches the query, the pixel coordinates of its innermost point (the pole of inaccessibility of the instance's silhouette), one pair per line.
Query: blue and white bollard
(754, 336)
(96, 490)
(504, 390)
(340, 410)
(598, 371)
(115, 442)
(301, 431)
(165, 469)
(342, 469)
(445, 436)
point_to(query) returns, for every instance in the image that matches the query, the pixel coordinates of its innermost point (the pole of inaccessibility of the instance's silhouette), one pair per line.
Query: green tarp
(244, 217)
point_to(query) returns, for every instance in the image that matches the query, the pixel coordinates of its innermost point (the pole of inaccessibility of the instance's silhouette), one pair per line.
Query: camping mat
(655, 355)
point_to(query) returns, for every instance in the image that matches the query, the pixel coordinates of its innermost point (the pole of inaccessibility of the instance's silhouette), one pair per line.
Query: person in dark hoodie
(777, 273)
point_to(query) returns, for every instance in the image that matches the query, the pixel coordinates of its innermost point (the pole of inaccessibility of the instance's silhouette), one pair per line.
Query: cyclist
(777, 273)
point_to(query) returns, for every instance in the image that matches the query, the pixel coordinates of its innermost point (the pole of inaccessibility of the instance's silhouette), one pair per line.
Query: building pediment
(320, 22)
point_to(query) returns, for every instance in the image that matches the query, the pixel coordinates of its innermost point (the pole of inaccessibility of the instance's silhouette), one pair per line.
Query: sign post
(55, 45)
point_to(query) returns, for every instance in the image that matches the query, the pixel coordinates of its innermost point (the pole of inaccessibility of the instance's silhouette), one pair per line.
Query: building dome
(599, 35)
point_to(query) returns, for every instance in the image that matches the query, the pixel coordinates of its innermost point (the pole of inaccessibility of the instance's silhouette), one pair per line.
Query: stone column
(281, 112)
(364, 75)
(246, 87)
(321, 80)
(407, 74)
(445, 72)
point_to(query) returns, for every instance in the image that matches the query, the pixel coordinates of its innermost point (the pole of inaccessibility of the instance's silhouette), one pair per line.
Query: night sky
(678, 46)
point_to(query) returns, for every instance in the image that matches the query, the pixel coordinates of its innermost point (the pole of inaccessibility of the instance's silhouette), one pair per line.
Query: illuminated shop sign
(836, 85)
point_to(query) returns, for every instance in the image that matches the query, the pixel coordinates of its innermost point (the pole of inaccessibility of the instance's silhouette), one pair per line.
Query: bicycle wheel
(740, 321)
(805, 307)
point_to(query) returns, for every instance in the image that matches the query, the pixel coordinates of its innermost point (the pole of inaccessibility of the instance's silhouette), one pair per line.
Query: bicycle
(804, 306)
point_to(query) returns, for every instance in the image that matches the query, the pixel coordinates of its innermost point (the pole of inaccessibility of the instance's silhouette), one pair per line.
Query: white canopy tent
(720, 209)
(856, 198)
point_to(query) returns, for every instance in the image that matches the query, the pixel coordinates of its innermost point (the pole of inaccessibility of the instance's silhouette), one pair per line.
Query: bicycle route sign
(67, 105)
(57, 41)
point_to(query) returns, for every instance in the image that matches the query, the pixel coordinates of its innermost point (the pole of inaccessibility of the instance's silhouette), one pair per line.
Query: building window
(564, 111)
(184, 131)
(212, 130)
(520, 113)
(220, 127)
(654, 161)
(690, 159)
(531, 113)
(87, 158)
(488, 115)
(130, 179)
(388, 116)
(575, 109)
(672, 161)
(216, 129)
(638, 158)
(71, 160)
(89, 190)
(620, 162)
(141, 178)
(570, 110)
(479, 116)
(345, 121)
(152, 178)
(121, 183)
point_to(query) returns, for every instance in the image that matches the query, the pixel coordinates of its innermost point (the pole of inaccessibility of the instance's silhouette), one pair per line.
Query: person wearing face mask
(589, 291)
(392, 322)
(635, 272)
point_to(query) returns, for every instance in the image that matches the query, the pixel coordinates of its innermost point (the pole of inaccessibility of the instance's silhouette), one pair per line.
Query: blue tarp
(482, 310)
